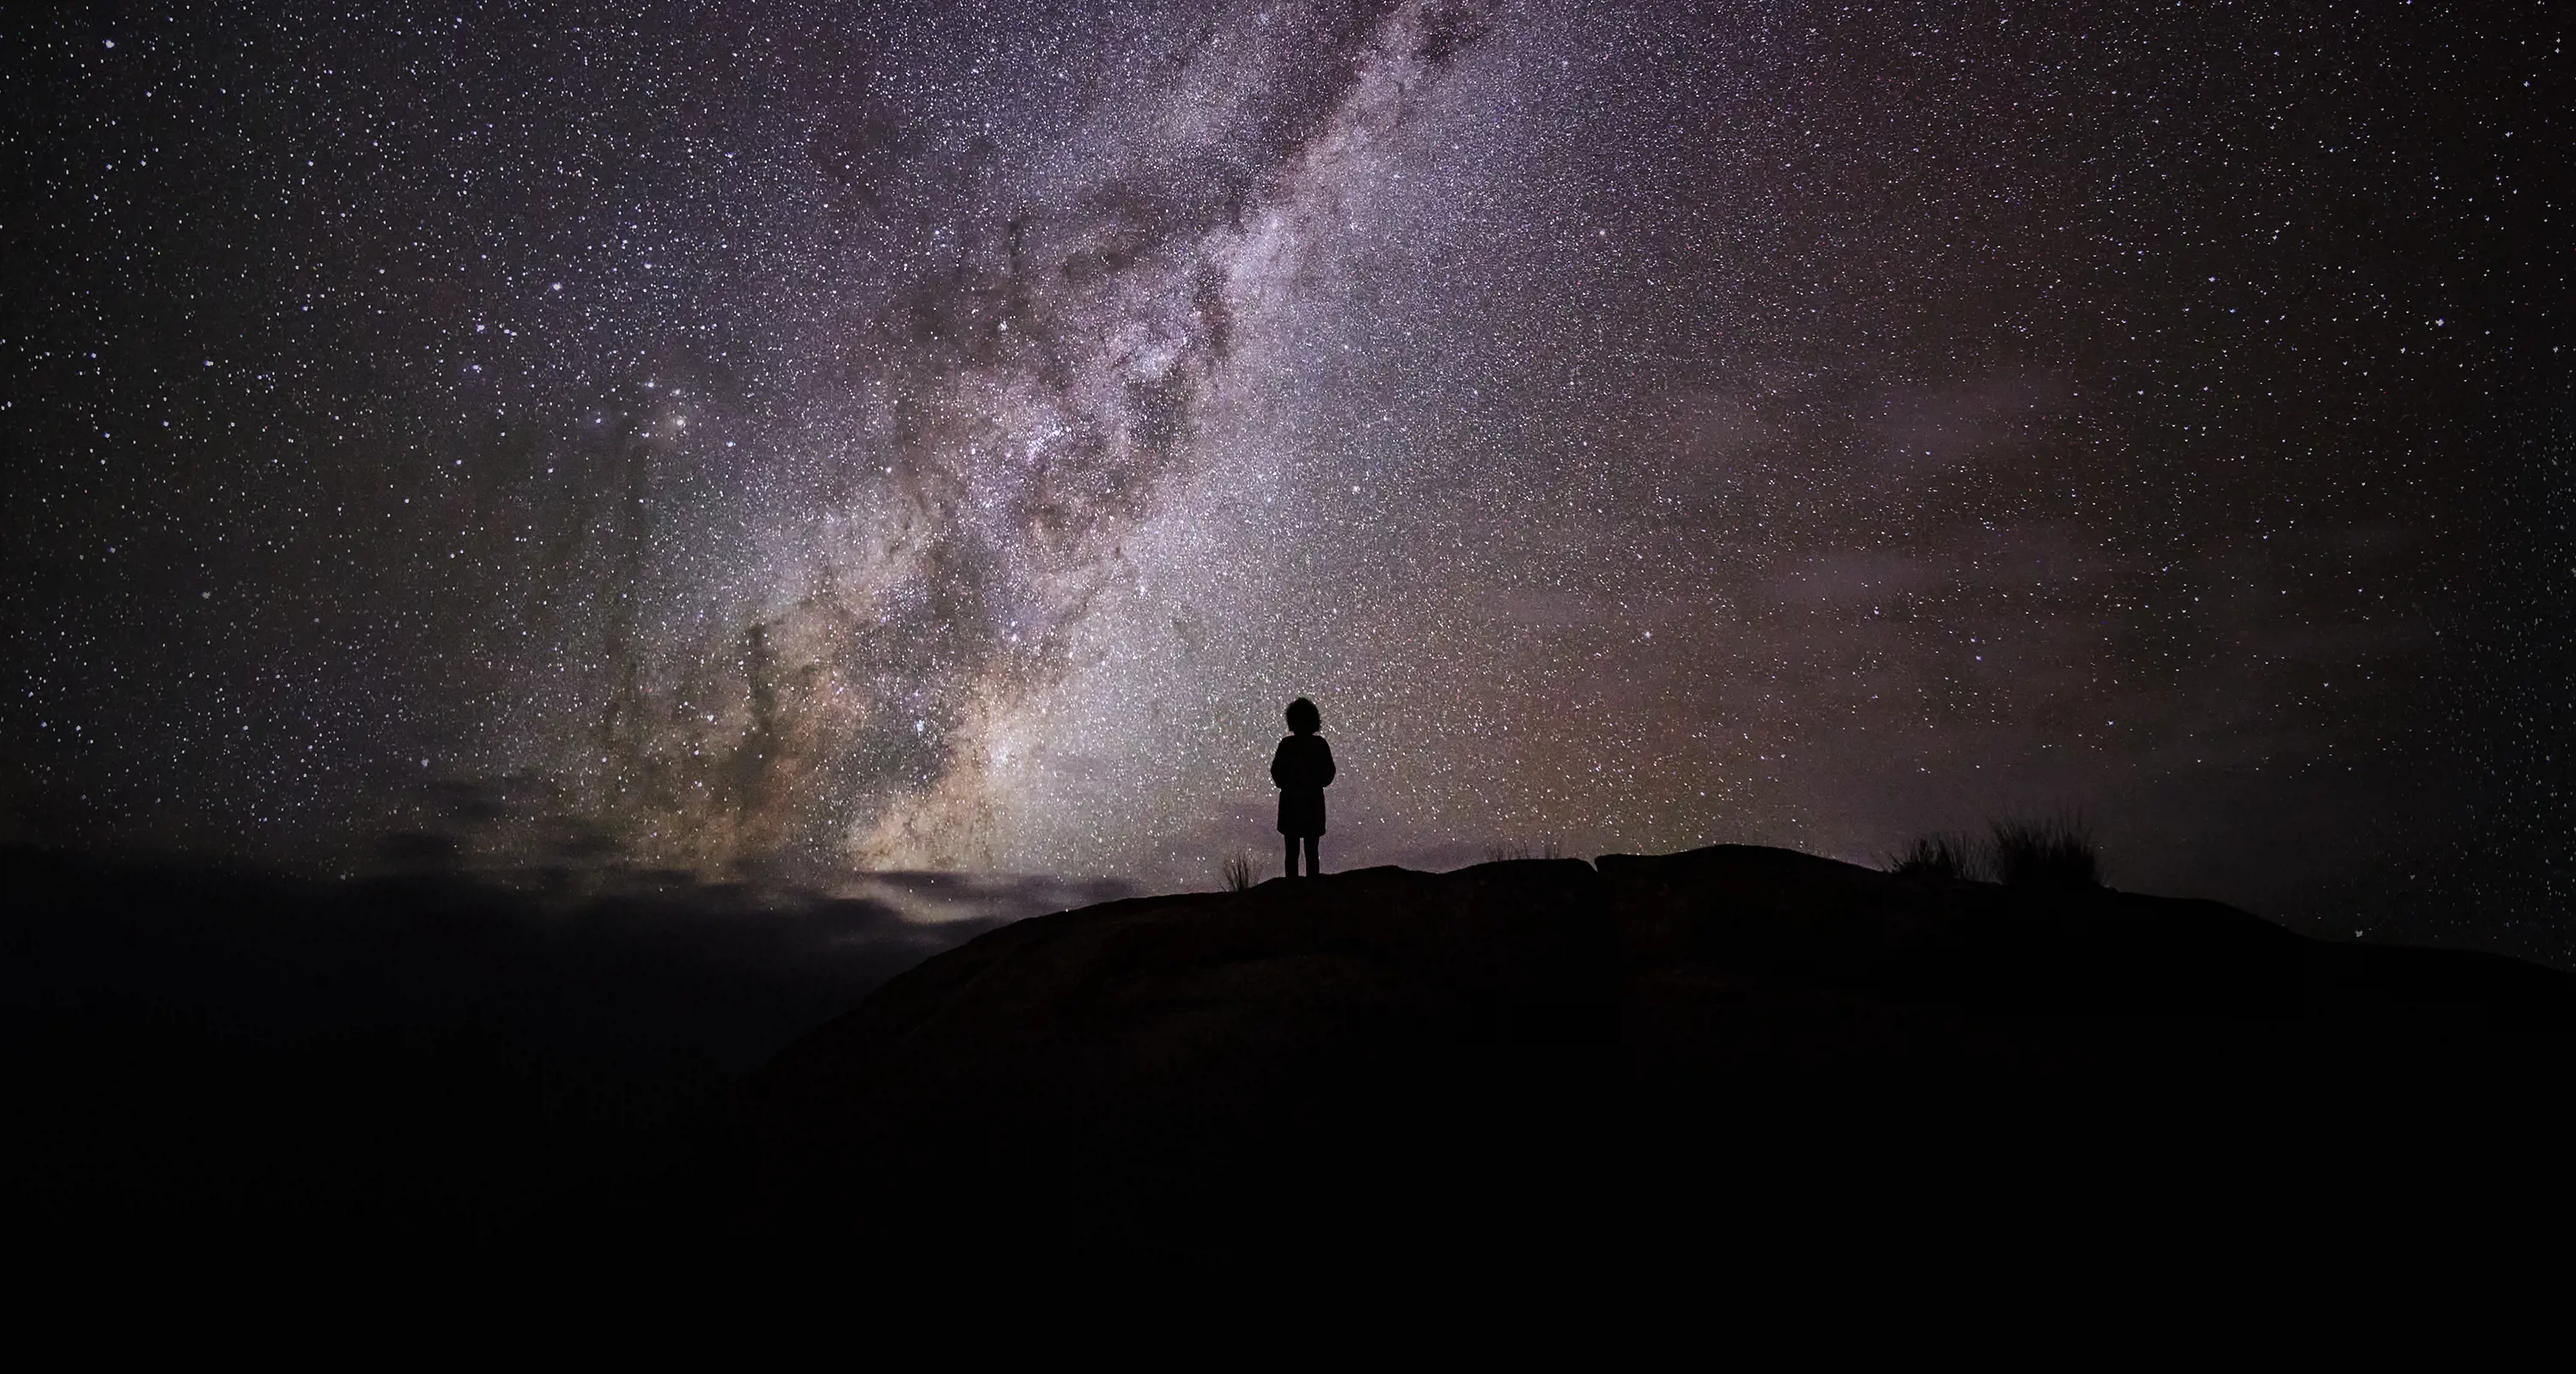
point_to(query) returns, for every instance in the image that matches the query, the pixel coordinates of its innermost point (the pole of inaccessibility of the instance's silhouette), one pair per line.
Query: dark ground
(1548, 1065)
(200, 1056)
(1522, 1063)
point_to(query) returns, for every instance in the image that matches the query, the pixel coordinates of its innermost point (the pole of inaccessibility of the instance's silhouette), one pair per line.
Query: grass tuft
(1238, 872)
(1936, 856)
(2054, 853)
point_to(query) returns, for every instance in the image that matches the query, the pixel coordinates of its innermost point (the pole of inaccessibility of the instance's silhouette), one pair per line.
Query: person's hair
(1303, 718)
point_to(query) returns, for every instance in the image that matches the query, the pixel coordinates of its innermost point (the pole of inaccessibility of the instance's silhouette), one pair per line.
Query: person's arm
(1323, 762)
(1279, 763)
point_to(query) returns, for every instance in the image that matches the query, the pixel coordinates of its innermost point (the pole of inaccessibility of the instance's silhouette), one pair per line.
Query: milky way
(793, 437)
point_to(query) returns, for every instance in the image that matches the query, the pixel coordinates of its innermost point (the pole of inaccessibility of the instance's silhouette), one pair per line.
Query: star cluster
(794, 436)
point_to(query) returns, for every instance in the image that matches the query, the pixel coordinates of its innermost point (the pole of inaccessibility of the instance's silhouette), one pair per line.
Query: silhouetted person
(1303, 768)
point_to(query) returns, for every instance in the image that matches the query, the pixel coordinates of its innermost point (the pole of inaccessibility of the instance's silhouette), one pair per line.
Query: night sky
(786, 438)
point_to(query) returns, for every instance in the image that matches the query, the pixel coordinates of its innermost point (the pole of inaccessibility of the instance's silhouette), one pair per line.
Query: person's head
(1303, 718)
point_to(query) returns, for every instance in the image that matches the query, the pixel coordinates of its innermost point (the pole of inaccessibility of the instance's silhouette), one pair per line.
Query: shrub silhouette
(1238, 872)
(1547, 848)
(1936, 856)
(2054, 853)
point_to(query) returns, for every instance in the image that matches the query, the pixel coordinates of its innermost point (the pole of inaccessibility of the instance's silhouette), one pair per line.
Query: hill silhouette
(1524, 1061)
(1549, 1058)
(205, 1056)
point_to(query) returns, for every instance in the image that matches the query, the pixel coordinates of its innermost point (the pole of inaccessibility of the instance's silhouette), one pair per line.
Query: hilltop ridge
(1543, 1052)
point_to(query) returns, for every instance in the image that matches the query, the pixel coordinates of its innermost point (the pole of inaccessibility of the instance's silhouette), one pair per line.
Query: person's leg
(1292, 856)
(1314, 865)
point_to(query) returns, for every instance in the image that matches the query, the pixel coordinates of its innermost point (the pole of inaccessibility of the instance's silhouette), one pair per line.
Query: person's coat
(1302, 768)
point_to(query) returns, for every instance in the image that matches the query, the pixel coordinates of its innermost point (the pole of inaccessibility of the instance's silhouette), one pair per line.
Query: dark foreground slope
(1530, 1061)
(1528, 1058)
(199, 1056)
